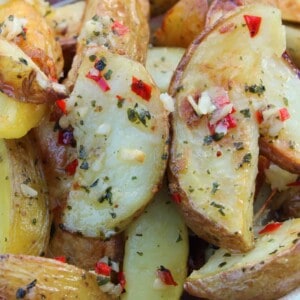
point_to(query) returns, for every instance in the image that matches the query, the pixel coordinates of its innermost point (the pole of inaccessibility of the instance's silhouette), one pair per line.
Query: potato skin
(42, 278)
(270, 281)
(29, 221)
(181, 24)
(264, 274)
(40, 43)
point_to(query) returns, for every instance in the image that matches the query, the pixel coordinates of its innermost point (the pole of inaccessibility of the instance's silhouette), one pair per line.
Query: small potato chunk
(157, 238)
(24, 216)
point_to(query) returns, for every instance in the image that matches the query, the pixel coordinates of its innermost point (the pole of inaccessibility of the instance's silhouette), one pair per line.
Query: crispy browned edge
(270, 279)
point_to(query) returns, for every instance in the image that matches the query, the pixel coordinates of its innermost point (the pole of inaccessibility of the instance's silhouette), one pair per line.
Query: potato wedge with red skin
(269, 271)
(215, 184)
(123, 166)
(25, 81)
(37, 278)
(39, 42)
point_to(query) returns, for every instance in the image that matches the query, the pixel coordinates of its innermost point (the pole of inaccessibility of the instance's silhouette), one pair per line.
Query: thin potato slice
(25, 221)
(269, 271)
(158, 237)
(121, 129)
(215, 177)
(30, 277)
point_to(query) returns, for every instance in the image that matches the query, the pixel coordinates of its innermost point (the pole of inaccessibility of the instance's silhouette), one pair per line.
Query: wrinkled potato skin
(49, 279)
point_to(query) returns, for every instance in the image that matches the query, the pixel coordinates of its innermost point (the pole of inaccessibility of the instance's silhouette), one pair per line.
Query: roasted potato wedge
(161, 63)
(119, 172)
(37, 40)
(290, 10)
(269, 271)
(25, 221)
(157, 238)
(31, 277)
(124, 30)
(25, 81)
(181, 24)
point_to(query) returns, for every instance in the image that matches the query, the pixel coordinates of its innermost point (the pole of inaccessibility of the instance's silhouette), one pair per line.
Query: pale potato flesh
(25, 221)
(161, 63)
(121, 147)
(269, 271)
(158, 237)
(42, 278)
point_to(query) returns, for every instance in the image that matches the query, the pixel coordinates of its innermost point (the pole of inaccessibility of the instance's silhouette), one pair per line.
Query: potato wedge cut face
(158, 237)
(121, 130)
(216, 177)
(269, 271)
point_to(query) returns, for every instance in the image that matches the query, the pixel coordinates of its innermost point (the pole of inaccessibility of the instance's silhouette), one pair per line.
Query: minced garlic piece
(28, 191)
(132, 155)
(204, 105)
(167, 101)
(12, 27)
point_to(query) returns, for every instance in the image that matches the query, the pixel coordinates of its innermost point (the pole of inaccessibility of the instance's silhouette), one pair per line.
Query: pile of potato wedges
(150, 149)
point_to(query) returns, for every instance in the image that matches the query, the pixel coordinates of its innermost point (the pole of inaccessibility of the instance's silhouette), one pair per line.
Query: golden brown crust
(40, 42)
(269, 280)
(280, 153)
(84, 252)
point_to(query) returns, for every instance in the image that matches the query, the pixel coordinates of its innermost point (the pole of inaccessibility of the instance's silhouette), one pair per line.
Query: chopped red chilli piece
(119, 29)
(259, 116)
(295, 183)
(121, 279)
(102, 83)
(253, 24)
(62, 105)
(102, 268)
(165, 276)
(283, 114)
(176, 197)
(71, 167)
(270, 227)
(141, 88)
(62, 259)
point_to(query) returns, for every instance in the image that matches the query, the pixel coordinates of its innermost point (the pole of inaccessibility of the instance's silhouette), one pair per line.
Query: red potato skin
(263, 281)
